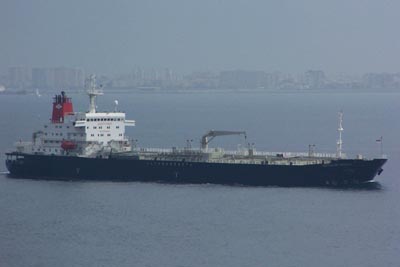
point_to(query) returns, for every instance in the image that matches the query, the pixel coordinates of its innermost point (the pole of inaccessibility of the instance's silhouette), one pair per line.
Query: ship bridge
(104, 126)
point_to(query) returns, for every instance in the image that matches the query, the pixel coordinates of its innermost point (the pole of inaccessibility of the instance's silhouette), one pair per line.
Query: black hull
(338, 172)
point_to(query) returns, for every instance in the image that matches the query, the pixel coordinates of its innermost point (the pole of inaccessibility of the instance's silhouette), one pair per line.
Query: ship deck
(229, 157)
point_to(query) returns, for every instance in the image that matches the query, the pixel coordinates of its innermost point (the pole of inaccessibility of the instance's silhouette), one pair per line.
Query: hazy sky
(102, 36)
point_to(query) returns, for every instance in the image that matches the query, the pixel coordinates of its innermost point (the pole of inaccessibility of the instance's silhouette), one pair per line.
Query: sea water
(51, 223)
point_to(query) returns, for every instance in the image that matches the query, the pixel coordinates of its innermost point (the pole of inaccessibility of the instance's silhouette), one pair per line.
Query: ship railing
(167, 150)
(23, 146)
(284, 154)
(239, 152)
(288, 158)
(274, 162)
(152, 150)
(23, 143)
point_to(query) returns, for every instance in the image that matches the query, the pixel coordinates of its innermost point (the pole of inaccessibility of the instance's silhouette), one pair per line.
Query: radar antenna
(340, 142)
(92, 91)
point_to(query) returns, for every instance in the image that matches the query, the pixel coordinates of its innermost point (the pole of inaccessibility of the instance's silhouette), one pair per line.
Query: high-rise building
(240, 79)
(65, 78)
(314, 79)
(380, 80)
(19, 77)
(43, 78)
(60, 78)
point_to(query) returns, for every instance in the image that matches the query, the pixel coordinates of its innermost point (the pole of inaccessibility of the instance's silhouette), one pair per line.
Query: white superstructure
(84, 134)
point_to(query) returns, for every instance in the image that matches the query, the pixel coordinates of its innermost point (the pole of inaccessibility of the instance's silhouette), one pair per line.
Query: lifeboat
(68, 145)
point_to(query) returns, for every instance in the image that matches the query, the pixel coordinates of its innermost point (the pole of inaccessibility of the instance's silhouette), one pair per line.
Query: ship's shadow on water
(368, 186)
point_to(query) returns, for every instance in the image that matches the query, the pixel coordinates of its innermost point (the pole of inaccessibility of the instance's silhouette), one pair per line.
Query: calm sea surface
(46, 223)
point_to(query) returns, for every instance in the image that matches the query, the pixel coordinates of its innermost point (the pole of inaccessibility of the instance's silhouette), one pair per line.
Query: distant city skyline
(20, 79)
(109, 37)
(5, 70)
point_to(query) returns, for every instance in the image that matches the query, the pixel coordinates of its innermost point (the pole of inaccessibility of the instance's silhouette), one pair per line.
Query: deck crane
(210, 135)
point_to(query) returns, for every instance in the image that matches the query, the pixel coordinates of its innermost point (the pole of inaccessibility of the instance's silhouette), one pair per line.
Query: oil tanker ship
(93, 146)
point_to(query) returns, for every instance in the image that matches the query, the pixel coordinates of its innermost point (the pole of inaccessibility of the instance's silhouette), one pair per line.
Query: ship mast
(92, 91)
(340, 142)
